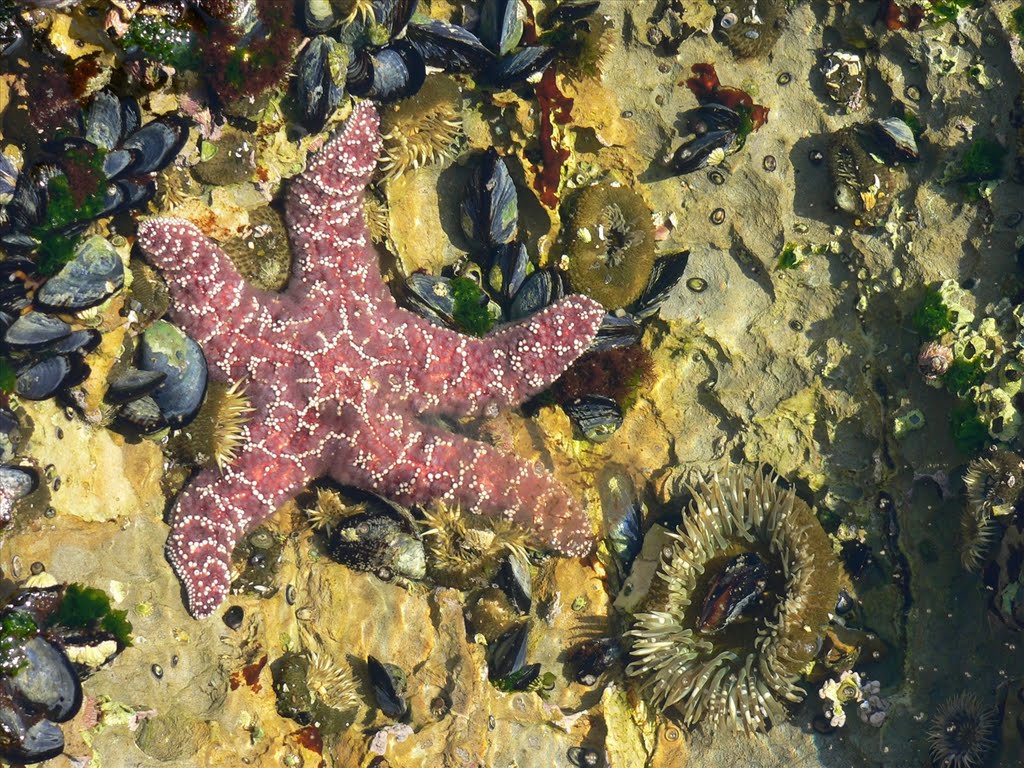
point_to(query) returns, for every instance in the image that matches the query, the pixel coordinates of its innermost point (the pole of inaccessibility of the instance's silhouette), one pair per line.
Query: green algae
(962, 375)
(967, 429)
(7, 376)
(161, 41)
(470, 311)
(932, 318)
(89, 608)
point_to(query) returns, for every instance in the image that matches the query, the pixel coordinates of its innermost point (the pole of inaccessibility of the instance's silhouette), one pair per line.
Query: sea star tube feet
(340, 377)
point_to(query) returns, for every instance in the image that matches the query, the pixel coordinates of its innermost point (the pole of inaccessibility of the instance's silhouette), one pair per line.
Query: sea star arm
(415, 463)
(210, 300)
(282, 453)
(457, 375)
(325, 213)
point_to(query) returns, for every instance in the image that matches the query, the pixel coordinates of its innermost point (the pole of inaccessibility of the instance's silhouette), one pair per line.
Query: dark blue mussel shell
(733, 590)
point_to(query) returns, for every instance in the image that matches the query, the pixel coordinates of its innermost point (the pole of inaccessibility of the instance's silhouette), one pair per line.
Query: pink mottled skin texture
(339, 377)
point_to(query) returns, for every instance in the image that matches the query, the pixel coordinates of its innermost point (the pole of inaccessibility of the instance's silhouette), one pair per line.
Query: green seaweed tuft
(7, 376)
(89, 608)
(969, 432)
(962, 375)
(932, 318)
(470, 310)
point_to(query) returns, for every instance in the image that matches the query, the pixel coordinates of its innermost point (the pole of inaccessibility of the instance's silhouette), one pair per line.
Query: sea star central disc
(339, 377)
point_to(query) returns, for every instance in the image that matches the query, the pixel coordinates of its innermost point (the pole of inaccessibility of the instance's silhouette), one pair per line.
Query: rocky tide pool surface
(512, 383)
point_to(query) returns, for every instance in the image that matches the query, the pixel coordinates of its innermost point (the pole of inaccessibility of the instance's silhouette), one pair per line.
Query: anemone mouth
(746, 673)
(612, 251)
(962, 732)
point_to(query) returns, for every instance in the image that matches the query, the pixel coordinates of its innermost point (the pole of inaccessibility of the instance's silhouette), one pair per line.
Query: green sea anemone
(422, 130)
(861, 185)
(218, 430)
(743, 672)
(611, 249)
(995, 483)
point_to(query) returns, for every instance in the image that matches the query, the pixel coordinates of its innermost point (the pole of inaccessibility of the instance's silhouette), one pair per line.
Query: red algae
(250, 675)
(708, 89)
(555, 108)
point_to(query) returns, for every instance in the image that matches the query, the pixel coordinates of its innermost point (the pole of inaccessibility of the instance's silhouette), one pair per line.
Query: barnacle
(744, 673)
(755, 28)
(611, 249)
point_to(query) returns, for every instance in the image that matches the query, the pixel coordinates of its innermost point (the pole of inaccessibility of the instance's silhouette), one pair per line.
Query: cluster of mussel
(719, 126)
(17, 478)
(52, 273)
(499, 283)
(50, 639)
(385, 53)
(861, 162)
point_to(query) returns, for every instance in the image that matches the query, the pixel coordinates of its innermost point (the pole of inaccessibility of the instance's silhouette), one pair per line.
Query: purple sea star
(340, 377)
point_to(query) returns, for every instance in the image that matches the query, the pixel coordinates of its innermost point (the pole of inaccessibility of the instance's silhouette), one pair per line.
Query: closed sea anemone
(740, 672)
(422, 130)
(611, 249)
(753, 27)
(262, 254)
(961, 732)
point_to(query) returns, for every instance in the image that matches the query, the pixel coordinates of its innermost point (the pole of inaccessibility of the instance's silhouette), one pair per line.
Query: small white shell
(728, 20)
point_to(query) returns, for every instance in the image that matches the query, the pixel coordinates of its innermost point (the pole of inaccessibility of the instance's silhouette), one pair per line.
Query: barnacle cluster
(743, 674)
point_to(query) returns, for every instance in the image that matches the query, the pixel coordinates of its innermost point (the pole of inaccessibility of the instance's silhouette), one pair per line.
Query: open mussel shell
(166, 349)
(156, 144)
(46, 681)
(596, 417)
(540, 289)
(12, 36)
(390, 74)
(894, 139)
(694, 154)
(500, 27)
(514, 579)
(592, 658)
(94, 274)
(448, 47)
(522, 66)
(388, 682)
(317, 88)
(109, 119)
(666, 274)
(733, 590)
(490, 205)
